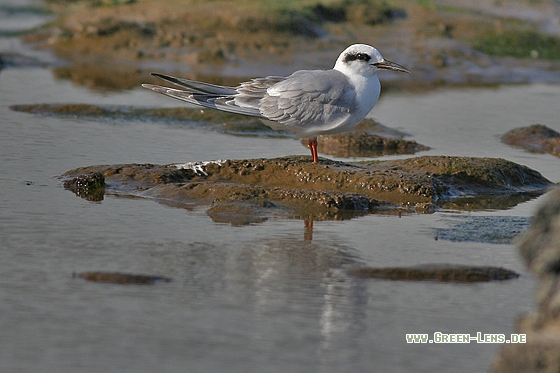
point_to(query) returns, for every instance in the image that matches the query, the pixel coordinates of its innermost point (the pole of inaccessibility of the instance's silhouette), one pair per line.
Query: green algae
(519, 44)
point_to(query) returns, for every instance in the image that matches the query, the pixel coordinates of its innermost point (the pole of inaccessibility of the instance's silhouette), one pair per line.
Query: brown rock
(535, 138)
(328, 190)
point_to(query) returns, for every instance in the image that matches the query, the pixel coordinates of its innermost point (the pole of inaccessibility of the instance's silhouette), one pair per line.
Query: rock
(367, 139)
(363, 144)
(437, 272)
(535, 138)
(90, 186)
(120, 278)
(328, 190)
(540, 248)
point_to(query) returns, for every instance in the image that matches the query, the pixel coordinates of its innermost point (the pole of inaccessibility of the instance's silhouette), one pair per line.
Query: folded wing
(302, 101)
(310, 98)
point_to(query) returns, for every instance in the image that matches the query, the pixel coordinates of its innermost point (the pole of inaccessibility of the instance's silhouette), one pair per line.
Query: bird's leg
(313, 146)
(308, 232)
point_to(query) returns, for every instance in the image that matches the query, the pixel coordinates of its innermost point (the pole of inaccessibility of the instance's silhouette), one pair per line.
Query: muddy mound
(294, 186)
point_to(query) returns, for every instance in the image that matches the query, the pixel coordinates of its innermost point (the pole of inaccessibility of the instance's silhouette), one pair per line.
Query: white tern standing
(308, 102)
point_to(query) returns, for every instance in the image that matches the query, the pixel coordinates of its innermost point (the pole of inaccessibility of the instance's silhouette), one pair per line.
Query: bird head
(365, 60)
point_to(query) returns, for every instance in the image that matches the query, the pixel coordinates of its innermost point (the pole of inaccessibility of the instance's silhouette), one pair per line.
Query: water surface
(256, 298)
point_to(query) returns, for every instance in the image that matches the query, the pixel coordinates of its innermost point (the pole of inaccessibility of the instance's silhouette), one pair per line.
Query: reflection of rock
(100, 76)
(120, 278)
(238, 212)
(89, 186)
(488, 202)
(437, 272)
(368, 139)
(294, 186)
(535, 138)
(540, 247)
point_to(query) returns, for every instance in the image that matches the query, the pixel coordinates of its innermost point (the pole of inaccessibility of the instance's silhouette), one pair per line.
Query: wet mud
(247, 191)
(437, 272)
(120, 278)
(536, 138)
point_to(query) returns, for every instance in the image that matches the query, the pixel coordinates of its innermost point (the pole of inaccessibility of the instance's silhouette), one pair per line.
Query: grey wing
(239, 100)
(310, 98)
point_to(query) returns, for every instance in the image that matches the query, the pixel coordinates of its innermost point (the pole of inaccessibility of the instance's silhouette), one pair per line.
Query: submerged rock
(487, 229)
(294, 186)
(540, 248)
(535, 138)
(437, 272)
(120, 278)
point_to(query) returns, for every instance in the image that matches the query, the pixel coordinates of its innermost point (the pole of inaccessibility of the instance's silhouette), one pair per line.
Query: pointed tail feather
(198, 87)
(211, 101)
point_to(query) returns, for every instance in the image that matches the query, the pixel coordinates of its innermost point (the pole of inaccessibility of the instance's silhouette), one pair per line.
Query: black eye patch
(357, 56)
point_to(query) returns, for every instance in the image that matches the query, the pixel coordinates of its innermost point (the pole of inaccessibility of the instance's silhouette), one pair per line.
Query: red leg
(313, 146)
(308, 232)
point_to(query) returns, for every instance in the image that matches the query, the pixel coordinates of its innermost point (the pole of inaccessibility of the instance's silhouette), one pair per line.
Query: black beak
(391, 66)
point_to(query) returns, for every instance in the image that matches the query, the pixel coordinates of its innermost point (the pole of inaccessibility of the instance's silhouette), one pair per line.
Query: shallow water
(256, 298)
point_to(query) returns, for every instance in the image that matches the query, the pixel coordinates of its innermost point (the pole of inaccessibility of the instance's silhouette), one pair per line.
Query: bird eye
(363, 57)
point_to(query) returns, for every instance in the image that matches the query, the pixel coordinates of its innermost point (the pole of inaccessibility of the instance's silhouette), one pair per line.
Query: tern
(308, 103)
